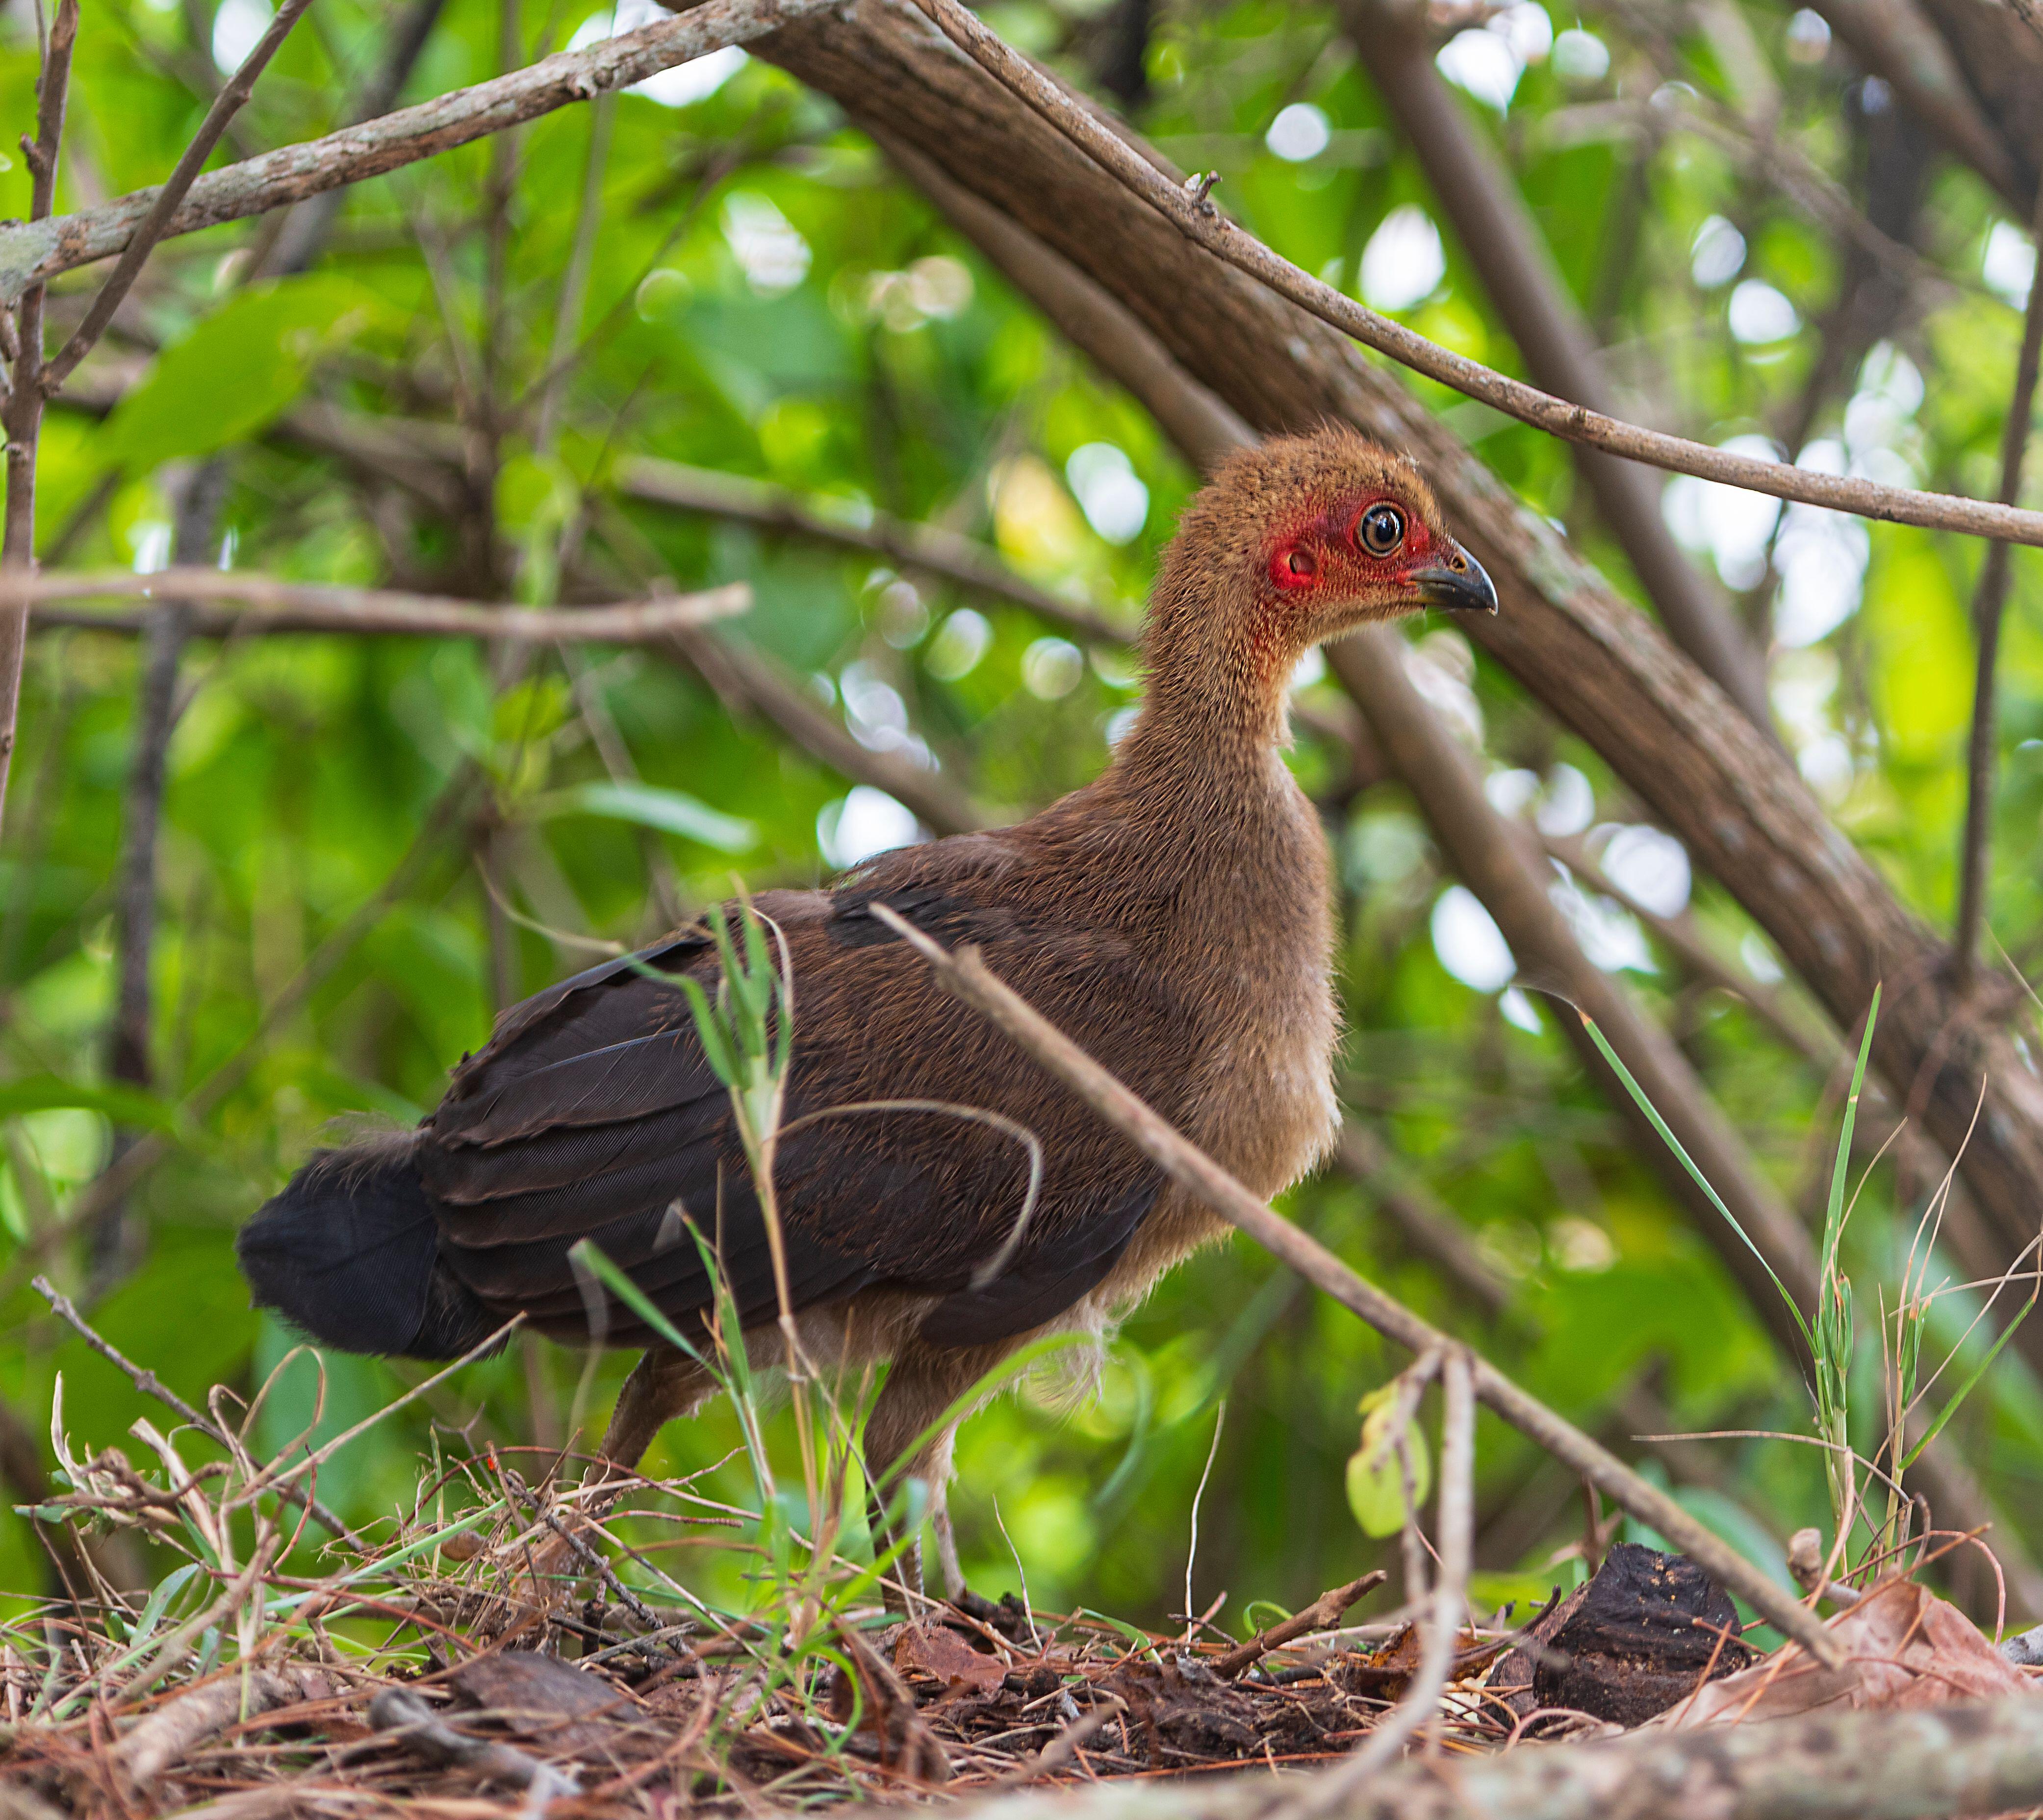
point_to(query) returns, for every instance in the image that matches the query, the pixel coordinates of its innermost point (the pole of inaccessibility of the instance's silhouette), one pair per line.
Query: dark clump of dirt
(1644, 1633)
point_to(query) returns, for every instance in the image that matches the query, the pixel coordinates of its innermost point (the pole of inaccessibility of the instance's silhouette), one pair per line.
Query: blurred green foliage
(765, 297)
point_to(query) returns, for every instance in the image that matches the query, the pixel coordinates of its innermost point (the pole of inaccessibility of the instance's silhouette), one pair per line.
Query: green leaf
(652, 806)
(124, 1106)
(1701, 1180)
(1833, 1213)
(235, 373)
(1375, 1474)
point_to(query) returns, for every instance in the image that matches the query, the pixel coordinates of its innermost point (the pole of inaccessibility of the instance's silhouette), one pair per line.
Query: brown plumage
(1173, 917)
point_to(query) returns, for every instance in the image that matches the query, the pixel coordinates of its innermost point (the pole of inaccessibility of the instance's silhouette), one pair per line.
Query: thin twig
(523, 1494)
(23, 415)
(1436, 1657)
(114, 1244)
(1187, 208)
(964, 973)
(37, 251)
(911, 546)
(147, 1382)
(268, 605)
(233, 93)
(1987, 602)
(1322, 1614)
(1192, 1554)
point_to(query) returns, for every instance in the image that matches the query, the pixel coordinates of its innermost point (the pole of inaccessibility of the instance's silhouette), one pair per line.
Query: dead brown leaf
(938, 1651)
(1908, 1649)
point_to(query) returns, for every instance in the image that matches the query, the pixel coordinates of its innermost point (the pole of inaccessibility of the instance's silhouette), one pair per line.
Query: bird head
(1301, 538)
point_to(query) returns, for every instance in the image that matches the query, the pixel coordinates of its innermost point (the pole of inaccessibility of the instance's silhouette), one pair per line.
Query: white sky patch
(680, 87)
(1404, 262)
(1716, 255)
(774, 258)
(1759, 960)
(1469, 944)
(1108, 491)
(1569, 805)
(1482, 64)
(1608, 935)
(237, 27)
(1052, 668)
(1441, 667)
(865, 823)
(1580, 56)
(1733, 525)
(152, 543)
(2008, 263)
(1650, 867)
(1511, 792)
(1808, 37)
(1821, 559)
(1298, 133)
(1760, 316)
(960, 641)
(1526, 28)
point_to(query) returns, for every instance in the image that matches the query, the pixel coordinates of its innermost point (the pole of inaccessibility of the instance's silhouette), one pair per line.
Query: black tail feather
(349, 1253)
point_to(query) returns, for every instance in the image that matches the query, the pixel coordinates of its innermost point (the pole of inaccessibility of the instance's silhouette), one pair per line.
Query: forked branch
(31, 253)
(234, 93)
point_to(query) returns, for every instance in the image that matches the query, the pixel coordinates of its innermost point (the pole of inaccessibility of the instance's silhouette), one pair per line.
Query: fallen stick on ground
(1322, 1614)
(410, 1722)
(169, 1732)
(1948, 1763)
(967, 975)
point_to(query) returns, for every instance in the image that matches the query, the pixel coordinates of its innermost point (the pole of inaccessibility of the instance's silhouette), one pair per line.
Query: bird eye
(1382, 530)
(1301, 562)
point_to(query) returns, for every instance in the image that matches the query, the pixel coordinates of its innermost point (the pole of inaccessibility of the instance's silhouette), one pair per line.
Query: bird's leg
(665, 1383)
(919, 1388)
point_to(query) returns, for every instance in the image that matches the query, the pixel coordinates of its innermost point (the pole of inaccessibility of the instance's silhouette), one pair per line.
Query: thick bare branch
(264, 604)
(1185, 205)
(33, 252)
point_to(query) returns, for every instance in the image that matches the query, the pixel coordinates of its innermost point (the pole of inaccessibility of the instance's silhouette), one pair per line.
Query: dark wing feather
(592, 1114)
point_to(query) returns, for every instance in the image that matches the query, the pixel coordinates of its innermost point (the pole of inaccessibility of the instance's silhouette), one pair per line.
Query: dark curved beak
(1460, 584)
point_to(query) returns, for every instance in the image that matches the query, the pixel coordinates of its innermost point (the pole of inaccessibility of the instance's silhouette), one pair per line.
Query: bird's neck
(1215, 707)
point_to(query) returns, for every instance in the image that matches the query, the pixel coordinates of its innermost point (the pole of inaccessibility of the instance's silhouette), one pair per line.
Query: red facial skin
(1338, 568)
(1337, 563)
